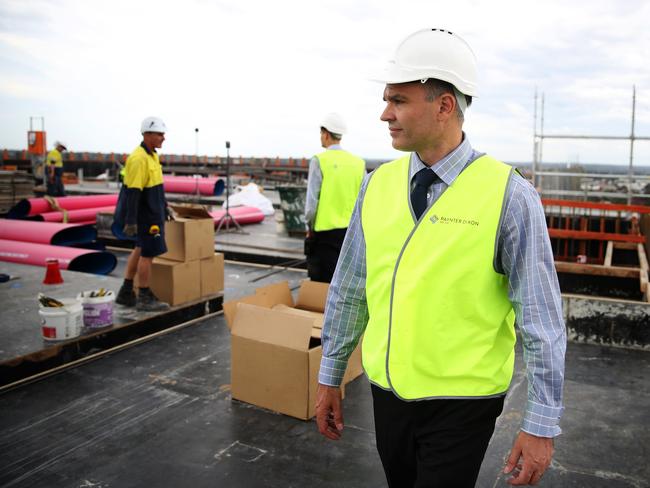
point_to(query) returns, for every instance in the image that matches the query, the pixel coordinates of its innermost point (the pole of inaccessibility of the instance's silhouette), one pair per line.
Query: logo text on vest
(452, 220)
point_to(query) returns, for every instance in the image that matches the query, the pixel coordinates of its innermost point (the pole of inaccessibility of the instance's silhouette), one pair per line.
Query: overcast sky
(262, 73)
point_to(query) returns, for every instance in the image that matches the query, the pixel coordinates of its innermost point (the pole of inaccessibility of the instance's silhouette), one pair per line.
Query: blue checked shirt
(524, 255)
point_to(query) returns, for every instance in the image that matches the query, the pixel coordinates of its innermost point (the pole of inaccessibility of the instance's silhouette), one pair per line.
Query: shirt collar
(449, 167)
(334, 147)
(143, 145)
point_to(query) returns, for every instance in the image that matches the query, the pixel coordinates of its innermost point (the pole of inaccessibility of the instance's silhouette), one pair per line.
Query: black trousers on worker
(55, 188)
(433, 443)
(322, 251)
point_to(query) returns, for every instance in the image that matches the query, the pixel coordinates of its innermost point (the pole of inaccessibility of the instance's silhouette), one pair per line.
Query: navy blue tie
(423, 180)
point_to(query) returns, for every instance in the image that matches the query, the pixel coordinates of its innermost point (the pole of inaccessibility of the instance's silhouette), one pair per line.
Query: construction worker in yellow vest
(335, 177)
(447, 250)
(140, 215)
(54, 170)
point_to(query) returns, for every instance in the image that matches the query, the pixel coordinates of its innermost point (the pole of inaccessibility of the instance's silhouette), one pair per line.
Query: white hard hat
(153, 124)
(334, 123)
(61, 143)
(433, 53)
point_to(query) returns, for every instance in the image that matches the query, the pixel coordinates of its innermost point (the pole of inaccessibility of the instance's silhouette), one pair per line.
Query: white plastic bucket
(98, 311)
(61, 323)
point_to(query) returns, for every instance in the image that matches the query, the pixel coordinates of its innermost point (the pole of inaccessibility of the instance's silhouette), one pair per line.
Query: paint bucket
(98, 311)
(61, 323)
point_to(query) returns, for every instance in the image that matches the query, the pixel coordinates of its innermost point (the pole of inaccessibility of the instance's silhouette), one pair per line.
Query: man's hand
(130, 230)
(329, 413)
(536, 453)
(171, 214)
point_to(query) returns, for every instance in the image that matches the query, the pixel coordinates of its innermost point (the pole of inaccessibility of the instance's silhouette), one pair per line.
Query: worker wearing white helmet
(54, 170)
(447, 250)
(335, 177)
(140, 215)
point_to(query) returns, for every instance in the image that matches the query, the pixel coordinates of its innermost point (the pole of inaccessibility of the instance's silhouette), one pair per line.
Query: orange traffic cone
(52, 272)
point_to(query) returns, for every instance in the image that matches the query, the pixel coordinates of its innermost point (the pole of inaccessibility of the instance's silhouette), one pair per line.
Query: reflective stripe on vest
(441, 324)
(342, 177)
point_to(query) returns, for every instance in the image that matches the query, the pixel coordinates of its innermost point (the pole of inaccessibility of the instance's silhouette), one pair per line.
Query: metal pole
(227, 178)
(196, 144)
(630, 172)
(228, 218)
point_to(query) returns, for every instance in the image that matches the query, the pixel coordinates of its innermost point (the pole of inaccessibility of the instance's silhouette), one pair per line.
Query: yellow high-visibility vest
(342, 177)
(54, 158)
(441, 324)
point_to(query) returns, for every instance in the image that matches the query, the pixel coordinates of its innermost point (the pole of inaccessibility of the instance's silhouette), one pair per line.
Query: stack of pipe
(79, 209)
(29, 242)
(212, 187)
(243, 215)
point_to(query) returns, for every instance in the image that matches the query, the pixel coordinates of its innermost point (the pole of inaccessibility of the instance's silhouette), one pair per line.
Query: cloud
(262, 73)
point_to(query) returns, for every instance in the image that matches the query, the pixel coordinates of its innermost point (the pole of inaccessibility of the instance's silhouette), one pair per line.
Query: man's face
(412, 120)
(323, 138)
(154, 140)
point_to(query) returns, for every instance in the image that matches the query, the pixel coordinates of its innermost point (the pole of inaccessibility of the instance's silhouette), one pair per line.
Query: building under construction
(198, 396)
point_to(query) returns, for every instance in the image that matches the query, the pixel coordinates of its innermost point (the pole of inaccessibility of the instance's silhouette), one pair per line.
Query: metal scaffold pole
(630, 171)
(538, 137)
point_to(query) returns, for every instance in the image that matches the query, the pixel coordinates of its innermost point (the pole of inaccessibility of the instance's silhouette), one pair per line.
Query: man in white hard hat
(446, 251)
(54, 170)
(140, 215)
(335, 177)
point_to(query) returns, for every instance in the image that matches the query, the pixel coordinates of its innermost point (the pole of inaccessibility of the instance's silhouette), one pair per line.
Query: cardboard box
(276, 348)
(311, 298)
(191, 236)
(274, 361)
(211, 274)
(175, 282)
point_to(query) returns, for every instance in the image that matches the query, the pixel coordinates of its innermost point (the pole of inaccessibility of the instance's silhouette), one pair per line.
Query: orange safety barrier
(596, 205)
(596, 236)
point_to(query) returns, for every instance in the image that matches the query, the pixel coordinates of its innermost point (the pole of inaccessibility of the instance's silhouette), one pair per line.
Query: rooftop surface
(160, 414)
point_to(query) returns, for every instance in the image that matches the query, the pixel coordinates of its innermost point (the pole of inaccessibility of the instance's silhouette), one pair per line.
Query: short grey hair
(435, 88)
(336, 137)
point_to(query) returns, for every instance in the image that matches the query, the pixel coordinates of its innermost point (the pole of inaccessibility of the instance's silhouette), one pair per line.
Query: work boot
(126, 296)
(147, 301)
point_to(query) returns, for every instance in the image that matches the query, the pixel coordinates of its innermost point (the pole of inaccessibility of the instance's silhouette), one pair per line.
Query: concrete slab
(161, 415)
(24, 352)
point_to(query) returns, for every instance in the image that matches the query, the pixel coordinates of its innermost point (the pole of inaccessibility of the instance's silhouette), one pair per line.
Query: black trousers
(433, 443)
(322, 251)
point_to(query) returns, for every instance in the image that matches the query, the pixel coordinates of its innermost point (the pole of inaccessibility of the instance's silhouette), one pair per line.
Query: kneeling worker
(333, 184)
(140, 215)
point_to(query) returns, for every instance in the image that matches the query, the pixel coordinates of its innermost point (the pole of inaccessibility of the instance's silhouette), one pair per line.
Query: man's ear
(447, 104)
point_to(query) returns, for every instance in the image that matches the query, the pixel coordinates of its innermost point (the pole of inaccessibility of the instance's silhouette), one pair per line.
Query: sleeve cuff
(542, 420)
(331, 371)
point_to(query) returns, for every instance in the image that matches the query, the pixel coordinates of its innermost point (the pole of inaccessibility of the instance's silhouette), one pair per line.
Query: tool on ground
(98, 293)
(5, 277)
(49, 301)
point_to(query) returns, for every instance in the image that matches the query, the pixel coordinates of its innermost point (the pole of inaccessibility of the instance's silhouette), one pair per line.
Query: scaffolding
(538, 173)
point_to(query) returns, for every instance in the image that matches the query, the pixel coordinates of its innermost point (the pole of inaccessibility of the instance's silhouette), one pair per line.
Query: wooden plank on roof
(608, 253)
(596, 269)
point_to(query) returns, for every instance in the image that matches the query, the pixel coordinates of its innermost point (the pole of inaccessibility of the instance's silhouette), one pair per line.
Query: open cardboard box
(276, 348)
(190, 236)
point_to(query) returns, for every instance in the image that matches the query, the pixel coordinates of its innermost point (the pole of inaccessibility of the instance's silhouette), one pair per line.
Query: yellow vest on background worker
(54, 158)
(441, 324)
(343, 174)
